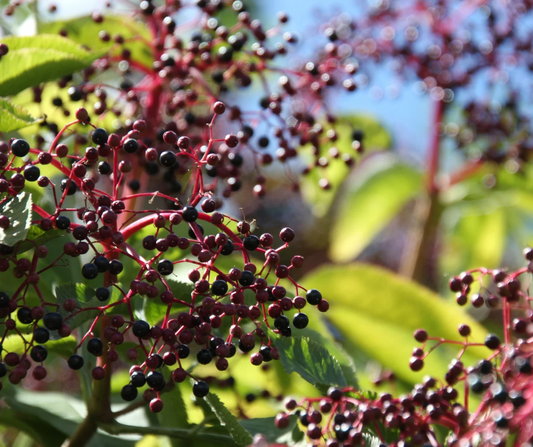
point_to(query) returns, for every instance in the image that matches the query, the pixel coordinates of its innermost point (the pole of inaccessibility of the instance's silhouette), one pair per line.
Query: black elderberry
(516, 399)
(20, 148)
(4, 300)
(314, 297)
(492, 342)
(165, 267)
(227, 249)
(62, 222)
(281, 322)
(499, 392)
(129, 393)
(247, 278)
(130, 145)
(104, 168)
(75, 94)
(485, 367)
(3, 369)
(53, 321)
(155, 380)
(24, 315)
(300, 320)
(75, 361)
(266, 352)
(141, 328)
(204, 356)
(244, 348)
(189, 214)
(41, 335)
(115, 267)
(134, 185)
(89, 271)
(263, 142)
(31, 173)
(183, 351)
(102, 263)
(39, 353)
(138, 379)
(251, 242)
(95, 346)
(67, 183)
(102, 294)
(167, 159)
(219, 287)
(99, 136)
(200, 389)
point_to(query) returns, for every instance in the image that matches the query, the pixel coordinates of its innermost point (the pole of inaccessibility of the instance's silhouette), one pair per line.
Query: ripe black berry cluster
(176, 94)
(449, 49)
(224, 311)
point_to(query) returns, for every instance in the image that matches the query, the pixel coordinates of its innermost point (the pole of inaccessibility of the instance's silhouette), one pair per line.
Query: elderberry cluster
(502, 382)
(175, 93)
(236, 292)
(448, 49)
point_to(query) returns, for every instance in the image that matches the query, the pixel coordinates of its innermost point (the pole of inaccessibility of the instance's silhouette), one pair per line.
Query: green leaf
(267, 427)
(381, 188)
(64, 346)
(85, 298)
(175, 414)
(477, 235)
(376, 312)
(39, 430)
(155, 310)
(18, 209)
(61, 418)
(236, 431)
(83, 30)
(36, 237)
(14, 117)
(310, 360)
(33, 60)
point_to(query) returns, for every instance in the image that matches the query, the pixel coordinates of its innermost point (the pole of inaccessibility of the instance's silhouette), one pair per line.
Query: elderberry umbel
(178, 92)
(236, 290)
(447, 50)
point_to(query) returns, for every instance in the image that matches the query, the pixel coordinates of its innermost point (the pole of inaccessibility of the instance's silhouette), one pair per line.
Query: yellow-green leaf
(377, 311)
(14, 117)
(35, 59)
(382, 186)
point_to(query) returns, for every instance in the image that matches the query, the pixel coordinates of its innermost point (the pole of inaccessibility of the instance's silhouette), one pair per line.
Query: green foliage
(377, 311)
(84, 31)
(18, 210)
(266, 426)
(17, 343)
(14, 117)
(36, 59)
(84, 297)
(380, 190)
(310, 360)
(36, 236)
(40, 415)
(236, 431)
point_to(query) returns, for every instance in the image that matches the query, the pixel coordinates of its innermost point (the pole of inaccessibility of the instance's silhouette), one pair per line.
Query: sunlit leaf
(382, 186)
(14, 117)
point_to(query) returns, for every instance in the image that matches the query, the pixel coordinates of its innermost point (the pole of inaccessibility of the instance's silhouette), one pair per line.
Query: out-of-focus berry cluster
(502, 383)
(188, 74)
